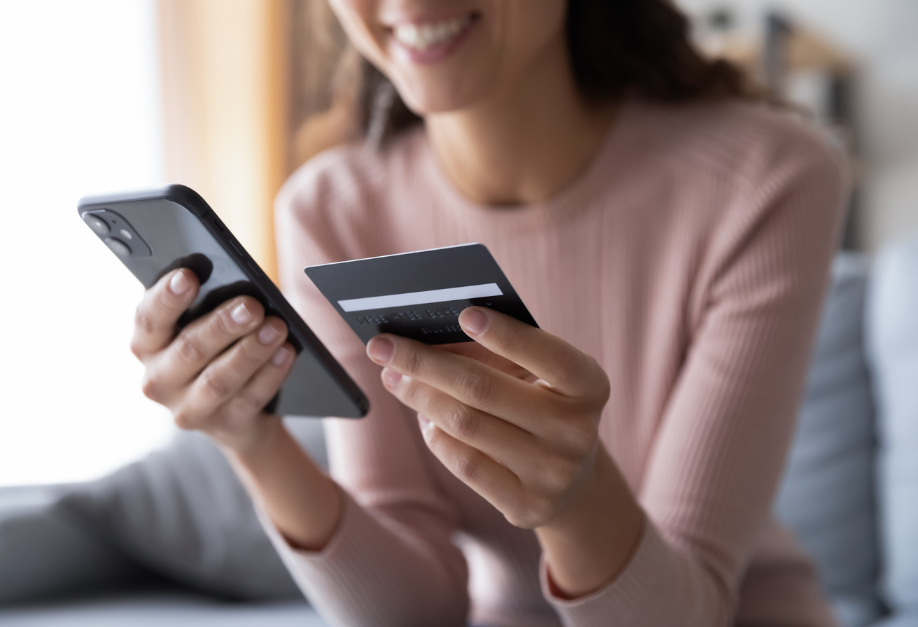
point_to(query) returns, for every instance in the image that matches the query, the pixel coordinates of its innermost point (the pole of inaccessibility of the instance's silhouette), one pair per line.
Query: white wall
(883, 37)
(79, 113)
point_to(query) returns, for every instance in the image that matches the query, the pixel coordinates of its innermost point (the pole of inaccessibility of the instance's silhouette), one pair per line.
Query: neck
(526, 142)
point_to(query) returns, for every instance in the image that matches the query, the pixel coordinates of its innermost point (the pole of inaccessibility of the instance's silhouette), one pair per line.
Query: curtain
(225, 99)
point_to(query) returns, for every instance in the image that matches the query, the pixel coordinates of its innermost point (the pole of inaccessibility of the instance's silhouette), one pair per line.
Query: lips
(429, 34)
(430, 40)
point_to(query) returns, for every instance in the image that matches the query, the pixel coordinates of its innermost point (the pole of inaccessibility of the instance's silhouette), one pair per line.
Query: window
(80, 114)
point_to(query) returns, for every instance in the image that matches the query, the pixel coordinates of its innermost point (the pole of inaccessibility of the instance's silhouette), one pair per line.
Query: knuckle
(515, 513)
(250, 357)
(151, 388)
(214, 385)
(466, 466)
(243, 405)
(541, 510)
(533, 512)
(461, 421)
(411, 361)
(434, 441)
(188, 348)
(410, 393)
(137, 348)
(142, 320)
(183, 420)
(516, 518)
(569, 365)
(558, 476)
(598, 374)
(475, 386)
(581, 437)
(503, 341)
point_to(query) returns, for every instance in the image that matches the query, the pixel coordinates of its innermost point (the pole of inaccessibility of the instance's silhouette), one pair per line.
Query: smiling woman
(670, 232)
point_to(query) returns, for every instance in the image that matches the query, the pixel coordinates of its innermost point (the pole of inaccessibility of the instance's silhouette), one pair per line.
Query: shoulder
(751, 170)
(743, 145)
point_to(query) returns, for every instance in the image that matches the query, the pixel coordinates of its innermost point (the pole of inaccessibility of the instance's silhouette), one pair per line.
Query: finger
(264, 384)
(465, 379)
(200, 342)
(159, 310)
(565, 368)
(502, 441)
(494, 482)
(478, 352)
(223, 378)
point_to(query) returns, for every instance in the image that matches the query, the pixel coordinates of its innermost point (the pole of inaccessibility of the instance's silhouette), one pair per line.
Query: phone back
(156, 231)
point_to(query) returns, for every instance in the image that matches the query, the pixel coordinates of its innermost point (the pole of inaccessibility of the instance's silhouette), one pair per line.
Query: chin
(441, 97)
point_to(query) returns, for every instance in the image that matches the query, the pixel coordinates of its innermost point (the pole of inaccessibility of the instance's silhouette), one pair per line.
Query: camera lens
(96, 223)
(118, 247)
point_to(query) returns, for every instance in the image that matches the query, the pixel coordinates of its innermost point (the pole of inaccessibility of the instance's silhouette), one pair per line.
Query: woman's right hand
(217, 374)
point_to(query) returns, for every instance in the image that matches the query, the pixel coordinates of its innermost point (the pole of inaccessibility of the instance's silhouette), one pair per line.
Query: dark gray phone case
(172, 227)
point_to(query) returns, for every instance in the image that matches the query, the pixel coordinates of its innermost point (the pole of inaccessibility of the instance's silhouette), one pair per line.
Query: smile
(429, 35)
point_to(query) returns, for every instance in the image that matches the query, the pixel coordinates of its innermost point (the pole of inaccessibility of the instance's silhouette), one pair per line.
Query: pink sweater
(690, 260)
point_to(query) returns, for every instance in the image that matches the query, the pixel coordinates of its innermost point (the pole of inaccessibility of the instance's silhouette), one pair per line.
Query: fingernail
(424, 422)
(474, 321)
(281, 356)
(241, 315)
(268, 334)
(391, 378)
(381, 350)
(179, 283)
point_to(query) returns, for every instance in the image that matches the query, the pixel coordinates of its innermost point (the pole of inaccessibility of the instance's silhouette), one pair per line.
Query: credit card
(418, 295)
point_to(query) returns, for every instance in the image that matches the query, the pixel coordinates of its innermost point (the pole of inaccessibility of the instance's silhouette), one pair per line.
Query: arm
(303, 503)
(531, 448)
(383, 554)
(719, 455)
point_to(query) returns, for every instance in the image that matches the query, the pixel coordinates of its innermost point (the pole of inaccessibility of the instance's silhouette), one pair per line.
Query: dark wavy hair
(617, 48)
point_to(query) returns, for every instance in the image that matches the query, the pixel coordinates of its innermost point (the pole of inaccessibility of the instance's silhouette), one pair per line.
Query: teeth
(429, 34)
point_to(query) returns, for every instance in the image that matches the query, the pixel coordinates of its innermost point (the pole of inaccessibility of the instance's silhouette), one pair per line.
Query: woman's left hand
(517, 422)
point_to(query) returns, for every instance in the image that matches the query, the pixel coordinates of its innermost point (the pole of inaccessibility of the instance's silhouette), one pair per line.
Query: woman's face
(447, 55)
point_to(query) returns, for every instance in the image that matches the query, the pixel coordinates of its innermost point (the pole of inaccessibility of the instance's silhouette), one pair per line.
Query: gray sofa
(132, 548)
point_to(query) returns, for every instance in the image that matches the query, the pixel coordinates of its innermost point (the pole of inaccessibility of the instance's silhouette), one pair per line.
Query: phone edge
(195, 203)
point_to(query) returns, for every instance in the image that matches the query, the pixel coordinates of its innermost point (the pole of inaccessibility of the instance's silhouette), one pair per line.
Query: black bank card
(418, 295)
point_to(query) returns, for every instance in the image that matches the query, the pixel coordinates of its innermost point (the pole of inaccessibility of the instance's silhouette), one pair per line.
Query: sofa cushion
(902, 620)
(181, 512)
(158, 606)
(827, 496)
(892, 327)
(44, 553)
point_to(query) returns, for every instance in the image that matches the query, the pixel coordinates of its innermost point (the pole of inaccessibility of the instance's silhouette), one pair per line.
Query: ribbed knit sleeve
(719, 451)
(391, 561)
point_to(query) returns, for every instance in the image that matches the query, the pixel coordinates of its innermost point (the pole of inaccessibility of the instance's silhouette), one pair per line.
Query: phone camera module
(117, 233)
(96, 223)
(118, 247)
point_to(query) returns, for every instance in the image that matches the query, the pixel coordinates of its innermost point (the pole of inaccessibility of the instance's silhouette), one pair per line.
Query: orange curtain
(225, 95)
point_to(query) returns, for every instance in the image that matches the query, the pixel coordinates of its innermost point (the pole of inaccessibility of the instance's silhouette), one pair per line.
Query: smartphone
(154, 231)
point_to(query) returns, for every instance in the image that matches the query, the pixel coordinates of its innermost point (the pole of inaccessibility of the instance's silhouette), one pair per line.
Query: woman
(614, 467)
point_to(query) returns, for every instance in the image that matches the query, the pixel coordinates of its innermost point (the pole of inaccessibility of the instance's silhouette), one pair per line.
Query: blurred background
(99, 95)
